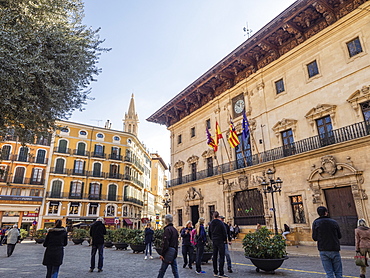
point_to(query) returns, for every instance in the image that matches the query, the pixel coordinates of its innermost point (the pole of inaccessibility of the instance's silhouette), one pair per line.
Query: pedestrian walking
(327, 234)
(187, 247)
(97, 232)
(218, 235)
(54, 242)
(2, 234)
(286, 231)
(362, 241)
(148, 241)
(169, 248)
(236, 231)
(200, 241)
(231, 228)
(227, 252)
(12, 239)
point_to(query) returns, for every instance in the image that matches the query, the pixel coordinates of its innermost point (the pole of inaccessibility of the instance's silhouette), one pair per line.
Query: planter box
(120, 245)
(108, 244)
(78, 240)
(39, 240)
(268, 265)
(137, 248)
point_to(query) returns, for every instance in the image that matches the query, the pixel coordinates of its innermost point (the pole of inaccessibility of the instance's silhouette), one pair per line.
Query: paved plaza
(27, 257)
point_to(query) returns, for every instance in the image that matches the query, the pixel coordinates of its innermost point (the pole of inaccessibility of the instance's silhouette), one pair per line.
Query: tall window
(53, 208)
(59, 166)
(179, 175)
(116, 153)
(192, 132)
(325, 130)
(40, 158)
(99, 151)
(179, 217)
(288, 142)
(312, 69)
(93, 209)
(97, 169)
(62, 146)
(81, 148)
(16, 192)
(94, 191)
(279, 86)
(365, 107)
(78, 168)
(297, 209)
(209, 166)
(23, 154)
(208, 124)
(5, 152)
(114, 171)
(19, 175)
(56, 189)
(73, 208)
(243, 152)
(354, 47)
(179, 139)
(193, 171)
(37, 176)
(110, 211)
(211, 210)
(35, 192)
(3, 172)
(112, 191)
(76, 190)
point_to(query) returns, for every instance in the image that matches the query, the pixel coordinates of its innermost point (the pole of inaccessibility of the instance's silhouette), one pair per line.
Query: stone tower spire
(131, 120)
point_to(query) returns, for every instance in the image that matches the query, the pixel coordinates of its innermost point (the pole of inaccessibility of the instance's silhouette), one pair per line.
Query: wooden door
(341, 207)
(194, 214)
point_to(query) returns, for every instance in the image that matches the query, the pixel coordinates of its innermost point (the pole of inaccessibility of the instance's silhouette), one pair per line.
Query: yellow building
(22, 181)
(303, 82)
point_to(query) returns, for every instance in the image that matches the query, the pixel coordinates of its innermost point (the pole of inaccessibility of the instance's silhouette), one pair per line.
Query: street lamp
(272, 186)
(166, 201)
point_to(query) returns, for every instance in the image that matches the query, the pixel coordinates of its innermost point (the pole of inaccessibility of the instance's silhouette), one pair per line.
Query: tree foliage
(48, 59)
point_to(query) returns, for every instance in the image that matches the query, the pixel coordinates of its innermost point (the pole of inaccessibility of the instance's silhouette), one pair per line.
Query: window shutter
(90, 188)
(82, 188)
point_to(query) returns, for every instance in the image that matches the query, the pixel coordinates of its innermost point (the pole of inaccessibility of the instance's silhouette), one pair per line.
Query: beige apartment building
(303, 82)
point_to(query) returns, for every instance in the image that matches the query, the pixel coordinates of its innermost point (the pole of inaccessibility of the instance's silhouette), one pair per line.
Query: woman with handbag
(362, 238)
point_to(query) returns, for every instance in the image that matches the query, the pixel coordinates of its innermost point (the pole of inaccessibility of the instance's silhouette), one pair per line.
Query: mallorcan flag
(210, 141)
(233, 136)
(218, 134)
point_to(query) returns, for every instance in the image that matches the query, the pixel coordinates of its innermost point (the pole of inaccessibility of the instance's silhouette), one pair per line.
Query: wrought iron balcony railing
(344, 134)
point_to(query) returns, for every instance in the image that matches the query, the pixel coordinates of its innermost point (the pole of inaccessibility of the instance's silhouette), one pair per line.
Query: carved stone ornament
(208, 153)
(193, 159)
(284, 124)
(193, 194)
(260, 86)
(358, 97)
(179, 164)
(320, 111)
(329, 165)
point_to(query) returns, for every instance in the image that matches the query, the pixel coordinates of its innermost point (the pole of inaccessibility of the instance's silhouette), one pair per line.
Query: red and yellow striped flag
(233, 137)
(218, 134)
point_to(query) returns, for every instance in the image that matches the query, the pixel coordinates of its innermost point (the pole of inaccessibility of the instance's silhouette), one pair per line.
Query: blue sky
(158, 49)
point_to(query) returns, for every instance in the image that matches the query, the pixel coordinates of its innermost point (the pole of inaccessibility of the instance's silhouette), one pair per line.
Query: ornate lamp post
(272, 186)
(166, 201)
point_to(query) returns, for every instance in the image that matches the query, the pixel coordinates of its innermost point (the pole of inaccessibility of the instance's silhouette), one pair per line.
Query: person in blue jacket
(148, 241)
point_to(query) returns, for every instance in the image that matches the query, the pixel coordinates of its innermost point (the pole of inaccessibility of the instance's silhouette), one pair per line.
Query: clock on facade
(238, 105)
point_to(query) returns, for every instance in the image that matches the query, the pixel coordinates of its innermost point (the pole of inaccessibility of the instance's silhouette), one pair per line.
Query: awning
(128, 221)
(109, 221)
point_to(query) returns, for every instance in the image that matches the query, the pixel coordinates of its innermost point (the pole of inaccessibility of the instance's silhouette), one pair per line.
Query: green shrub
(120, 235)
(136, 237)
(158, 238)
(264, 245)
(23, 233)
(80, 234)
(41, 233)
(108, 236)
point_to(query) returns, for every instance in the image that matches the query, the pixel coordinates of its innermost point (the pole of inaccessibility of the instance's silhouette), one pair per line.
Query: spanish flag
(218, 133)
(233, 137)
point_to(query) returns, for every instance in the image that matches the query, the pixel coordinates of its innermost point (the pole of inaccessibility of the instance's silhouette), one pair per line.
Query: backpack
(193, 237)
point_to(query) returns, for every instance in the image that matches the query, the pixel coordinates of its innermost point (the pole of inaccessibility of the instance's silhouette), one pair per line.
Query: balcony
(133, 200)
(340, 135)
(80, 152)
(21, 180)
(84, 196)
(98, 154)
(63, 171)
(115, 157)
(114, 176)
(62, 150)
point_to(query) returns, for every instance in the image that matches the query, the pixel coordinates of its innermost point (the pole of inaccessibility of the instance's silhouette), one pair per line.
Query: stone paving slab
(27, 257)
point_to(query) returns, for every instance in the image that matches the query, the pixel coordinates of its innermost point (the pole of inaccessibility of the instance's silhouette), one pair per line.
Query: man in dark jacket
(97, 232)
(327, 234)
(217, 233)
(170, 239)
(227, 253)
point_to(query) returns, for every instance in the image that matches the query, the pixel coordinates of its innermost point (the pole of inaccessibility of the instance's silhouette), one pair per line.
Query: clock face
(239, 106)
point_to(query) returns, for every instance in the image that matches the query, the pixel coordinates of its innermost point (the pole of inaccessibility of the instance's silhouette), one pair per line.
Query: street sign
(34, 222)
(116, 221)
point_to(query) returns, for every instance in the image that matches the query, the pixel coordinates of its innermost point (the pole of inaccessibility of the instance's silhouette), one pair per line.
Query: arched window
(81, 148)
(124, 211)
(79, 167)
(5, 152)
(23, 154)
(114, 171)
(112, 192)
(40, 158)
(110, 211)
(59, 166)
(56, 189)
(94, 191)
(97, 169)
(99, 151)
(37, 176)
(19, 175)
(62, 146)
(76, 190)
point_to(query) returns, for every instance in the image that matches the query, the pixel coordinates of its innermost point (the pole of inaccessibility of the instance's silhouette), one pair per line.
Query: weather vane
(247, 31)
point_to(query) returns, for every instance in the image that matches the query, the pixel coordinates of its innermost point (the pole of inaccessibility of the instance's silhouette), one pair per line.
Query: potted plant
(108, 239)
(79, 235)
(158, 238)
(40, 235)
(265, 250)
(23, 234)
(120, 238)
(136, 240)
(208, 250)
